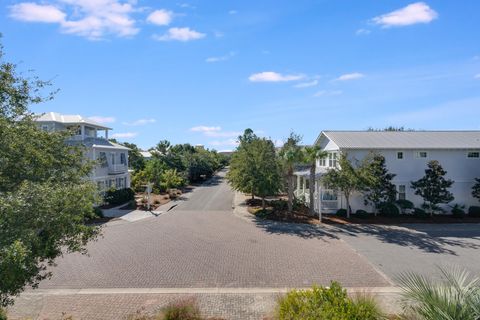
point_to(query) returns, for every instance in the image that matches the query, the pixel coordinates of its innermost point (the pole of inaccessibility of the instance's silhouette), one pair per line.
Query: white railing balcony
(117, 168)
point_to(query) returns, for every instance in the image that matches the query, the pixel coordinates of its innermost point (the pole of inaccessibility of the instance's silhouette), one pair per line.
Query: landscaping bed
(277, 210)
(437, 219)
(156, 200)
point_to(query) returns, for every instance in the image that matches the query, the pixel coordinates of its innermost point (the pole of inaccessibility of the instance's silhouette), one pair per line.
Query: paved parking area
(416, 247)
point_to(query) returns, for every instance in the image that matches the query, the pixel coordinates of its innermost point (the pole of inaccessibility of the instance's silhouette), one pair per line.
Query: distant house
(406, 153)
(112, 158)
(147, 155)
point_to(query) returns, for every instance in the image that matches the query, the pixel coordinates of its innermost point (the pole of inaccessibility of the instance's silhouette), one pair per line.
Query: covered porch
(325, 200)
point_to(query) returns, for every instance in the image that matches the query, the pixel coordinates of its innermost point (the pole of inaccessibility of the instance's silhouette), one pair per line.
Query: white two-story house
(407, 154)
(112, 158)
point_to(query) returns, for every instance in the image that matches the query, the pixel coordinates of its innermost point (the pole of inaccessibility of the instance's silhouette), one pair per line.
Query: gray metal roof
(69, 119)
(404, 139)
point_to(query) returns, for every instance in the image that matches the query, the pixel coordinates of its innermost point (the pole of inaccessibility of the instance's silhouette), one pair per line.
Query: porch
(325, 200)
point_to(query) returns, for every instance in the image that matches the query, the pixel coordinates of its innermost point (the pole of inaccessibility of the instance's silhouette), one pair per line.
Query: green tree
(310, 156)
(267, 171)
(135, 158)
(241, 175)
(346, 179)
(377, 187)
(476, 189)
(44, 196)
(433, 187)
(290, 155)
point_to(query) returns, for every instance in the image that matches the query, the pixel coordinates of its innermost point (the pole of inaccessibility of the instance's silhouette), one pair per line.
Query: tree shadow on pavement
(302, 230)
(406, 237)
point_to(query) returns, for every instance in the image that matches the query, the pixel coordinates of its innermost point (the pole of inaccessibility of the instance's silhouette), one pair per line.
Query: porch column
(106, 134)
(303, 184)
(298, 185)
(319, 190)
(82, 131)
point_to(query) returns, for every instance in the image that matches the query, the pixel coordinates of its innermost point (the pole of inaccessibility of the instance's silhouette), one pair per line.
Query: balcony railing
(117, 168)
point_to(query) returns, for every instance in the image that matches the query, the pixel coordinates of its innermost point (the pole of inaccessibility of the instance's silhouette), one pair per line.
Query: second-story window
(421, 154)
(123, 159)
(402, 195)
(400, 155)
(332, 160)
(473, 154)
(322, 162)
(102, 158)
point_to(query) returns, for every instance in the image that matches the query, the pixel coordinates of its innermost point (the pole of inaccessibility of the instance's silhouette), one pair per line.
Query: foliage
(405, 204)
(116, 197)
(290, 155)
(330, 303)
(476, 189)
(458, 211)
(182, 310)
(474, 211)
(420, 213)
(341, 212)
(457, 296)
(310, 156)
(98, 212)
(377, 187)
(3, 314)
(171, 179)
(433, 187)
(135, 159)
(347, 179)
(44, 198)
(362, 214)
(389, 209)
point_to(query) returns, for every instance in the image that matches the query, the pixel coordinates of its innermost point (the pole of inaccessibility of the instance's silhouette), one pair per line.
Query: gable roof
(404, 139)
(69, 119)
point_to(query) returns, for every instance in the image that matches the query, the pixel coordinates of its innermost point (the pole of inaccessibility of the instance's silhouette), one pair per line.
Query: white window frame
(417, 154)
(404, 192)
(322, 162)
(332, 159)
(473, 151)
(403, 155)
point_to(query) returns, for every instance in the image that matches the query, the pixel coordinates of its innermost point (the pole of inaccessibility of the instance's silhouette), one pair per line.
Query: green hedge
(389, 209)
(341, 212)
(119, 196)
(362, 214)
(474, 211)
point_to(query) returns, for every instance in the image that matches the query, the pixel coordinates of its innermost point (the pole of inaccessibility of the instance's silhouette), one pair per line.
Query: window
(421, 154)
(322, 162)
(102, 158)
(473, 154)
(123, 159)
(112, 158)
(400, 155)
(45, 127)
(101, 185)
(329, 195)
(401, 192)
(332, 160)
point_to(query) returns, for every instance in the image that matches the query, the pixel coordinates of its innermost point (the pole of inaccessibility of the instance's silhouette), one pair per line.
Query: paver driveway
(201, 244)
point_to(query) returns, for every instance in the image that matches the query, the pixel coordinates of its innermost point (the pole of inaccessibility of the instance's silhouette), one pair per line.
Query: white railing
(117, 168)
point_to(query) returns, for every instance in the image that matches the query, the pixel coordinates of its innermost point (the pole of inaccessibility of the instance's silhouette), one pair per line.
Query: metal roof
(404, 139)
(69, 119)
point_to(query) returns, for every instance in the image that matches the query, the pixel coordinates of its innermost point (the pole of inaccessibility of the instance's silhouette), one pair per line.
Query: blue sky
(203, 71)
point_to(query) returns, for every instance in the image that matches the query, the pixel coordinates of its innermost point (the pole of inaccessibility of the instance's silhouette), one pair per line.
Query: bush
(389, 209)
(341, 212)
(118, 196)
(98, 212)
(405, 204)
(3, 314)
(420, 213)
(279, 205)
(362, 214)
(474, 211)
(182, 310)
(325, 303)
(458, 212)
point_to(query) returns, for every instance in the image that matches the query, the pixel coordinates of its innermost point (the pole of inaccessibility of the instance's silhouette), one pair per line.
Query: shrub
(3, 314)
(118, 196)
(325, 303)
(362, 214)
(404, 204)
(389, 209)
(341, 212)
(457, 211)
(98, 212)
(279, 205)
(182, 310)
(474, 211)
(420, 213)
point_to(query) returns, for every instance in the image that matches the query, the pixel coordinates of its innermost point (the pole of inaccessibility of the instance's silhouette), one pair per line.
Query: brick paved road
(201, 243)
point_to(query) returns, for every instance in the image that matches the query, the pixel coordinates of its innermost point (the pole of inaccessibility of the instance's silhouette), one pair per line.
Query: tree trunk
(311, 190)
(263, 203)
(347, 199)
(290, 192)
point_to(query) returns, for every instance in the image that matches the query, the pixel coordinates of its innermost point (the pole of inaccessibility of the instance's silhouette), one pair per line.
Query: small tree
(433, 187)
(346, 179)
(310, 156)
(377, 186)
(290, 155)
(135, 158)
(267, 177)
(476, 189)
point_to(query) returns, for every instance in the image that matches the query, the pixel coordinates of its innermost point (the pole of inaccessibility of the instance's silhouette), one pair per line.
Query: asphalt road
(202, 244)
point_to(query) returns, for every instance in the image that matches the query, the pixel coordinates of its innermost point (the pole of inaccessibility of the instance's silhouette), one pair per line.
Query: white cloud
(327, 93)
(102, 120)
(270, 76)
(232, 12)
(140, 122)
(215, 131)
(362, 32)
(32, 12)
(93, 19)
(220, 58)
(205, 129)
(125, 135)
(306, 84)
(180, 34)
(227, 142)
(477, 76)
(350, 76)
(160, 17)
(414, 13)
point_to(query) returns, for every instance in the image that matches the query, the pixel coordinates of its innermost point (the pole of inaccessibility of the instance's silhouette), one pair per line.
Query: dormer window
(332, 160)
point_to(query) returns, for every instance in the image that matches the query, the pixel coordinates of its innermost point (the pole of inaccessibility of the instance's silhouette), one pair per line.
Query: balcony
(117, 168)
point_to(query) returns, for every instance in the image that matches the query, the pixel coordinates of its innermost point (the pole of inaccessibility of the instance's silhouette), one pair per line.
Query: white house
(112, 170)
(406, 153)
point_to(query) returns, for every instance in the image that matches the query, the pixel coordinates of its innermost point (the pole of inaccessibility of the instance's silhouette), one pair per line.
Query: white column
(106, 134)
(82, 131)
(303, 184)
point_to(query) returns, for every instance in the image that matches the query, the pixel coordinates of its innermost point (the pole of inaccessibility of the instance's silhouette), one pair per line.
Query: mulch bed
(332, 219)
(297, 216)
